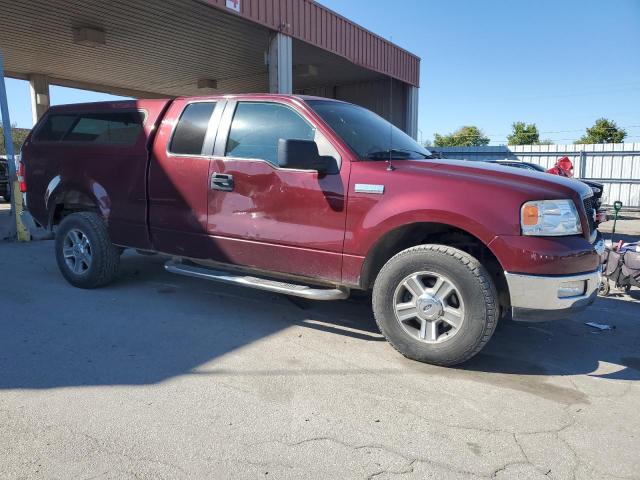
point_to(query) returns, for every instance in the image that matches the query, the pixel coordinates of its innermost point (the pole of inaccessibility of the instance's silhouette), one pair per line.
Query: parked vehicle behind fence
(313, 198)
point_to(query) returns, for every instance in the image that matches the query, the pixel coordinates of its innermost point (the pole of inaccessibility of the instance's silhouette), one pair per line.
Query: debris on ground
(601, 326)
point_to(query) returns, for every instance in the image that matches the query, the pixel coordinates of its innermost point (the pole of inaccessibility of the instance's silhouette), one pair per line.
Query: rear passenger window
(189, 134)
(117, 128)
(54, 127)
(257, 127)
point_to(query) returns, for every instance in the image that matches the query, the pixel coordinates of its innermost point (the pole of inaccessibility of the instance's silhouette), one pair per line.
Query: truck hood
(536, 185)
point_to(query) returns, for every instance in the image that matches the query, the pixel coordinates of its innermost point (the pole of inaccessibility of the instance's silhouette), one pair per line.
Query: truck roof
(142, 103)
(110, 105)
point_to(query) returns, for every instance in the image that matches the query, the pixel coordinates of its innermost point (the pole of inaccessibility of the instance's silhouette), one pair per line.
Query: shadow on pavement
(147, 327)
(151, 326)
(569, 347)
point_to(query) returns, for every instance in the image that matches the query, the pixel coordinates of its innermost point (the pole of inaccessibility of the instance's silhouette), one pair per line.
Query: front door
(270, 218)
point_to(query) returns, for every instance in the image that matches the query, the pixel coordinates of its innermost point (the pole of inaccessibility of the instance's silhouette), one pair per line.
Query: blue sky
(560, 64)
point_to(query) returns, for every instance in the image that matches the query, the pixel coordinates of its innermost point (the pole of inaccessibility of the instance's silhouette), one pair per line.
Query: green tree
(524, 134)
(603, 131)
(18, 134)
(547, 141)
(467, 136)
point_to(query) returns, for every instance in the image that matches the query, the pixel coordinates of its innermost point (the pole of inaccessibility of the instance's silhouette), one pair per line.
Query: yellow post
(22, 232)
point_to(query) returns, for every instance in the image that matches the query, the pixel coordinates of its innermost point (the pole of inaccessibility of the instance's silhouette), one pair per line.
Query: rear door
(179, 177)
(270, 218)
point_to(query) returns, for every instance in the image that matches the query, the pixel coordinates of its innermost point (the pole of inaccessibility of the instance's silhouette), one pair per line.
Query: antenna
(390, 167)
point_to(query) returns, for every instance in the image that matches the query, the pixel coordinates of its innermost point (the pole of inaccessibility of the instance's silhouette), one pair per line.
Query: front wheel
(435, 304)
(84, 252)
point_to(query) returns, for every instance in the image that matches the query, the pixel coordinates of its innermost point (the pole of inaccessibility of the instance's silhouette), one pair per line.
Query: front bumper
(535, 298)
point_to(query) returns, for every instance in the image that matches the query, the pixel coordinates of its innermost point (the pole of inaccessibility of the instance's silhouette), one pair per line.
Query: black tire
(360, 296)
(472, 283)
(104, 259)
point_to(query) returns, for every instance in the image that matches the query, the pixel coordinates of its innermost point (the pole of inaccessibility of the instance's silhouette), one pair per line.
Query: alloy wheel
(429, 307)
(77, 251)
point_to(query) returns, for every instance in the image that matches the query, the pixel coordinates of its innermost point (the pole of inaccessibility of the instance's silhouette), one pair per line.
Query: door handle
(221, 181)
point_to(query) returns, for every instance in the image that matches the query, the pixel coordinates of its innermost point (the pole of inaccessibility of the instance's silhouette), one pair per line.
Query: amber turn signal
(530, 215)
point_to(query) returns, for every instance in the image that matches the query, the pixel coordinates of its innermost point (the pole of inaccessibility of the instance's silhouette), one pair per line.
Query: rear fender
(91, 195)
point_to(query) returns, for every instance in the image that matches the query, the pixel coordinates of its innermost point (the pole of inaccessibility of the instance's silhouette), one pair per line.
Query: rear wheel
(84, 252)
(435, 304)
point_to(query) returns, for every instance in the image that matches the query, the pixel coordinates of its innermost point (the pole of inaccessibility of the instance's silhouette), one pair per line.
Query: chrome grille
(589, 209)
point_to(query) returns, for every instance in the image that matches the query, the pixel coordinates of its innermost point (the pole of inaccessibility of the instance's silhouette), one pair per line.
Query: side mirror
(303, 155)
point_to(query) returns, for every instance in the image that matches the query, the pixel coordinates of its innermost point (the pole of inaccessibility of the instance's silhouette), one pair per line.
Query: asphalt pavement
(160, 376)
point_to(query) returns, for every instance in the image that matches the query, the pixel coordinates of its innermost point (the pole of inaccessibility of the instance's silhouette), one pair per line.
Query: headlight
(550, 218)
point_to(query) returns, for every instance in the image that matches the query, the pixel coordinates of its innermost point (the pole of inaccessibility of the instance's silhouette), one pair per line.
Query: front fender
(394, 213)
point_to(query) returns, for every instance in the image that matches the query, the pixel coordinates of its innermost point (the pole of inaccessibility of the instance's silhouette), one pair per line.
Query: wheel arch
(412, 234)
(62, 198)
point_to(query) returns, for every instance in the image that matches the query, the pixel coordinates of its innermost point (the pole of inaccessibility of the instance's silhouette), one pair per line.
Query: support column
(412, 111)
(39, 87)
(16, 227)
(281, 64)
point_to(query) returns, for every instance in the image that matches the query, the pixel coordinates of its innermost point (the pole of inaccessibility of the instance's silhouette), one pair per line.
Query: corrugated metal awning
(163, 47)
(313, 23)
(155, 47)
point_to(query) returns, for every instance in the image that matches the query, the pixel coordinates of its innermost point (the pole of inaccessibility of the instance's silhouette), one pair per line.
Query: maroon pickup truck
(313, 198)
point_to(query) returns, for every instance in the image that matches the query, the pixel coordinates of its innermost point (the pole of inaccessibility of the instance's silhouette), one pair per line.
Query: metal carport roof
(163, 47)
(311, 22)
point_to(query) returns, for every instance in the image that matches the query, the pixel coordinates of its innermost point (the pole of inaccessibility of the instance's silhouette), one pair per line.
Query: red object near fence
(563, 167)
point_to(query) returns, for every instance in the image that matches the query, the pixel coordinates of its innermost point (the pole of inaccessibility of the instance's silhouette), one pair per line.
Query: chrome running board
(304, 291)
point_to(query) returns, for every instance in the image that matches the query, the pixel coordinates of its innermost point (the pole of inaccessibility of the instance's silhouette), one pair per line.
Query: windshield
(367, 134)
